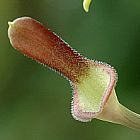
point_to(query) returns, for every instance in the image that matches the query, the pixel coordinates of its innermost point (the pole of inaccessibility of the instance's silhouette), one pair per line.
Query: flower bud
(86, 4)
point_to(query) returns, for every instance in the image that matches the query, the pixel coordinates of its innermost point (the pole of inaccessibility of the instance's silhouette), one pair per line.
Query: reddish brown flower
(93, 82)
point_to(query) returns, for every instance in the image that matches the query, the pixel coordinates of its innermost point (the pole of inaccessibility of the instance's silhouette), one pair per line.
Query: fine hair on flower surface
(93, 82)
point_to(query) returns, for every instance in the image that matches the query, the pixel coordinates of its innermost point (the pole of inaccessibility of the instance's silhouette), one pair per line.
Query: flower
(93, 82)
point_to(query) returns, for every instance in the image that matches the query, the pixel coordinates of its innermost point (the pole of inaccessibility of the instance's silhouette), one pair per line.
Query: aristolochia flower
(93, 82)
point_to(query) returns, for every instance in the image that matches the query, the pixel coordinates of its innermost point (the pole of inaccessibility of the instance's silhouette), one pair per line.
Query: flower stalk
(116, 113)
(93, 82)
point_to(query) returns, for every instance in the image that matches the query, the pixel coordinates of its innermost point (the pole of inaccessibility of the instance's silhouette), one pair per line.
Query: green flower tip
(86, 4)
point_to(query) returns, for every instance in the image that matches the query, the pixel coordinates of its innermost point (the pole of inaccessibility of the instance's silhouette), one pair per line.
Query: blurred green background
(35, 102)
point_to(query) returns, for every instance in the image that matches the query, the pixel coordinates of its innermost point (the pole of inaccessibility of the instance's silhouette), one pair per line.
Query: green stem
(114, 112)
(130, 118)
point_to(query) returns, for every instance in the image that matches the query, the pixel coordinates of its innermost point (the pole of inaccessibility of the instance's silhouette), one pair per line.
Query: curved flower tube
(93, 82)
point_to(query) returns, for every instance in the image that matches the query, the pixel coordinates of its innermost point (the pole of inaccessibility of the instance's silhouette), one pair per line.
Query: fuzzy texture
(91, 95)
(92, 81)
(37, 42)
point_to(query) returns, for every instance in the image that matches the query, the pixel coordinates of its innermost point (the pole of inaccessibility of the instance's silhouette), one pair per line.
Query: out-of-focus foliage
(34, 101)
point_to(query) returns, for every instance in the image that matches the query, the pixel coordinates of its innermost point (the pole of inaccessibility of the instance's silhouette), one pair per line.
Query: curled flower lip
(97, 87)
(93, 82)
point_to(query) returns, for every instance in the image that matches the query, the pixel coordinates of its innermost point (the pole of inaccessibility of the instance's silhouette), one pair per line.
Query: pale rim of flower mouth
(100, 72)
